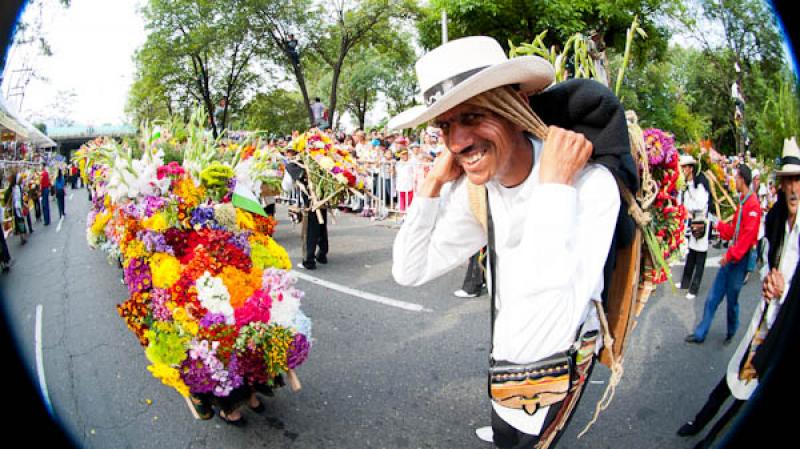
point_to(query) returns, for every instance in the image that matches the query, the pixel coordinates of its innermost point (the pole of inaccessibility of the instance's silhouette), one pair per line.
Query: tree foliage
(354, 22)
(199, 51)
(278, 112)
(522, 20)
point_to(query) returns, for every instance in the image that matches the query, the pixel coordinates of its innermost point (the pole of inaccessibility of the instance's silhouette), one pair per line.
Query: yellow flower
(166, 270)
(157, 222)
(191, 327)
(169, 376)
(134, 249)
(179, 314)
(100, 221)
(244, 220)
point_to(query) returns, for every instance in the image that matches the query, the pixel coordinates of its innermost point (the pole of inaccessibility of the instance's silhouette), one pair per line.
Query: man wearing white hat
(696, 200)
(752, 356)
(551, 216)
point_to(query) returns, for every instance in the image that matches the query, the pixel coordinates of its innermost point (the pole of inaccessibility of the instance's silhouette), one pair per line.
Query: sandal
(237, 423)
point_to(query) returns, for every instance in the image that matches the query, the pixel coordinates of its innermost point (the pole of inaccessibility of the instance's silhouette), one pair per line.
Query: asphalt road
(378, 376)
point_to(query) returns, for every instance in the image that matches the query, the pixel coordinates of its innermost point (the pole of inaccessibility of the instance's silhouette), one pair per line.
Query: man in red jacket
(45, 186)
(743, 232)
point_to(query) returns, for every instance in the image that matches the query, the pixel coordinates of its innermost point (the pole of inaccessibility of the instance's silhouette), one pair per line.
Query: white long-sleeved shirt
(551, 240)
(695, 199)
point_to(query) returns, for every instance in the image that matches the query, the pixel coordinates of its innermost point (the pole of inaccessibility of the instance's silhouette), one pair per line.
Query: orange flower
(240, 284)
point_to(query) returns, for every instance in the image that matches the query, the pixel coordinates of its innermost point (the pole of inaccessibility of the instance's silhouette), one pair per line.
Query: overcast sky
(93, 42)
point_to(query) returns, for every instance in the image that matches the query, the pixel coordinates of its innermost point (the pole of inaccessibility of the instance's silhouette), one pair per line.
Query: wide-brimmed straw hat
(790, 159)
(461, 69)
(687, 159)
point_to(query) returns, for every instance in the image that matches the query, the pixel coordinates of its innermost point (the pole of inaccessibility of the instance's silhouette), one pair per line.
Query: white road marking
(58, 228)
(40, 359)
(362, 294)
(71, 195)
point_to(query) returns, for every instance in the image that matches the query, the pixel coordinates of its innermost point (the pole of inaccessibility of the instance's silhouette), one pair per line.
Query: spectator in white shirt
(318, 110)
(695, 199)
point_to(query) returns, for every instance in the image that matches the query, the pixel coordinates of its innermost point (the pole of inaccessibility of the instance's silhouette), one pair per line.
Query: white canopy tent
(24, 131)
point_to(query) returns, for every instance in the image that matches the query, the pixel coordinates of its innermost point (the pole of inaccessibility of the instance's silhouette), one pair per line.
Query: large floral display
(665, 231)
(333, 174)
(210, 296)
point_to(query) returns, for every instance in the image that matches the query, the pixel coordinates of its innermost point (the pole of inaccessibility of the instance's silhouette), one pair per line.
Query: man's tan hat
(687, 159)
(461, 69)
(790, 159)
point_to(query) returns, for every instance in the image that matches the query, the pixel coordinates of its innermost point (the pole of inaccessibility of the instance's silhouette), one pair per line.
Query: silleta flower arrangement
(211, 299)
(665, 232)
(332, 172)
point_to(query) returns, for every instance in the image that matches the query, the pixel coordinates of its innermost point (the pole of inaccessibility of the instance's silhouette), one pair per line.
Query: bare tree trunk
(337, 71)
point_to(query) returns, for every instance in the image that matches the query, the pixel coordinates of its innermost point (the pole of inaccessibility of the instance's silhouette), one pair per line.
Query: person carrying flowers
(315, 231)
(549, 218)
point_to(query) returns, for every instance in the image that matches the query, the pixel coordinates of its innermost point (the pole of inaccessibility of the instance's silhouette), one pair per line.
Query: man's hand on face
(445, 169)
(565, 153)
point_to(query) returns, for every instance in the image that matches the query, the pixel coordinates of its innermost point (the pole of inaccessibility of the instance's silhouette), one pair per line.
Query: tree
(780, 116)
(282, 30)
(522, 20)
(208, 46)
(733, 34)
(377, 68)
(353, 24)
(279, 112)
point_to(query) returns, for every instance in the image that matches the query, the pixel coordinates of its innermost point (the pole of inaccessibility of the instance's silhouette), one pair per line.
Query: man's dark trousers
(316, 235)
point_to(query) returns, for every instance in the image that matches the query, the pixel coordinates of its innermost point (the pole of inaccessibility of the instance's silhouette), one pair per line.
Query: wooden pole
(329, 197)
(721, 188)
(714, 195)
(294, 381)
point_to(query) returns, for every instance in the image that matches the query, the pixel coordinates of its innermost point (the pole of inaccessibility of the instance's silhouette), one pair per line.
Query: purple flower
(660, 147)
(203, 372)
(158, 303)
(202, 216)
(98, 202)
(154, 242)
(298, 351)
(137, 276)
(152, 204)
(241, 241)
(211, 319)
(197, 376)
(131, 210)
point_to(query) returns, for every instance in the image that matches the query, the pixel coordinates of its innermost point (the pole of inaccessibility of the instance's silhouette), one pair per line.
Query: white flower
(214, 296)
(283, 311)
(326, 163)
